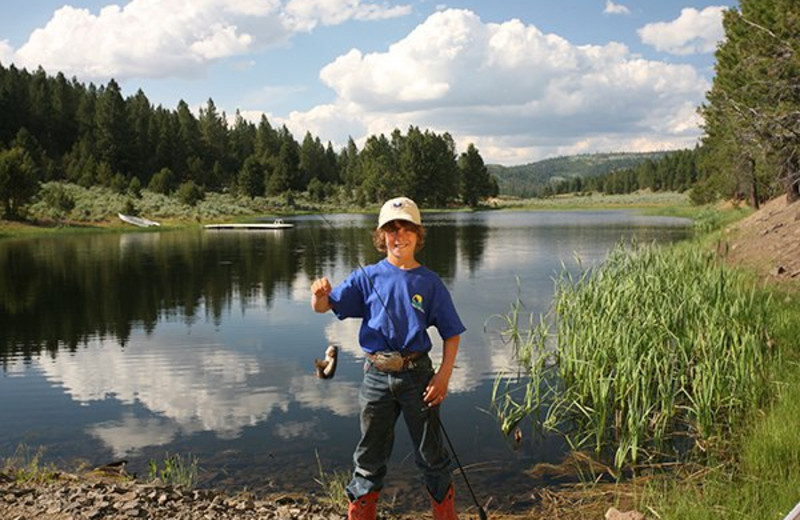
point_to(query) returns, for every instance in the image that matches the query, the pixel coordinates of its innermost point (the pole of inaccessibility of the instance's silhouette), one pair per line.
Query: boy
(398, 299)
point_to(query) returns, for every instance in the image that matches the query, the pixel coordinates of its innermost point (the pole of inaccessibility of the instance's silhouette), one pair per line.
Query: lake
(138, 345)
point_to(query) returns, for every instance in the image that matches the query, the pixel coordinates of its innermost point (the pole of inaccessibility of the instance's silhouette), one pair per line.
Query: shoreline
(666, 204)
(95, 495)
(100, 494)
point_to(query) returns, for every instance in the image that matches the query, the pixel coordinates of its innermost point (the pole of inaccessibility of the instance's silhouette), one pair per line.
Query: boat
(276, 224)
(137, 221)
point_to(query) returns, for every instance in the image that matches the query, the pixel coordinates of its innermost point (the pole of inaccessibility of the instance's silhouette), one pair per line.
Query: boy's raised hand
(320, 290)
(321, 286)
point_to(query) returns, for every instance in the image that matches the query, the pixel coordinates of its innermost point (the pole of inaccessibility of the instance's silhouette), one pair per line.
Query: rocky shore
(71, 497)
(92, 497)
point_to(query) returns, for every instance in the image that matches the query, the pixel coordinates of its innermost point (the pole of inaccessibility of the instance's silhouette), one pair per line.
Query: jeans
(383, 397)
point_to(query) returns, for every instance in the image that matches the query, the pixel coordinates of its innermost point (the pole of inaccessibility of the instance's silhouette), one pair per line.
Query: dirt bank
(768, 242)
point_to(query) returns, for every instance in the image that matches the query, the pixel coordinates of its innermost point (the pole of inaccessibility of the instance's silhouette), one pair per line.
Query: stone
(614, 514)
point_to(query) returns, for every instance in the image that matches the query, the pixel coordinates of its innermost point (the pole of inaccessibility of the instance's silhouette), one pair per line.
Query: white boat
(137, 221)
(277, 224)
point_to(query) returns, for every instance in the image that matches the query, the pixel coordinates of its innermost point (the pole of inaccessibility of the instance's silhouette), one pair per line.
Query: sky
(522, 80)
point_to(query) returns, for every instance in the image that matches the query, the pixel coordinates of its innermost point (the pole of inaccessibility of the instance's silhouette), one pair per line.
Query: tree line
(55, 129)
(752, 113)
(750, 148)
(676, 171)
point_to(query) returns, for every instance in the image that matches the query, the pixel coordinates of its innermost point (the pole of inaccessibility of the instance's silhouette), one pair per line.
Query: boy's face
(401, 238)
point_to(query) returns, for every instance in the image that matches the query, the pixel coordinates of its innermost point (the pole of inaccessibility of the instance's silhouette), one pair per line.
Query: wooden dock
(278, 224)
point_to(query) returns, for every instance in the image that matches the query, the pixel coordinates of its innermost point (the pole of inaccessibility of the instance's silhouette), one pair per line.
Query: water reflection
(132, 344)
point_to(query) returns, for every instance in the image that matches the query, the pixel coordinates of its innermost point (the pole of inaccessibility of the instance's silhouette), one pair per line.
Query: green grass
(658, 355)
(333, 486)
(638, 200)
(175, 470)
(664, 355)
(26, 465)
(762, 478)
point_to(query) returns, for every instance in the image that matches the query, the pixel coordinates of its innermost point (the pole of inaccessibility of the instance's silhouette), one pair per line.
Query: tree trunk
(755, 199)
(793, 187)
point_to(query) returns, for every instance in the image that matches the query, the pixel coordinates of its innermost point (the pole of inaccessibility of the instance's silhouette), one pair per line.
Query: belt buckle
(389, 361)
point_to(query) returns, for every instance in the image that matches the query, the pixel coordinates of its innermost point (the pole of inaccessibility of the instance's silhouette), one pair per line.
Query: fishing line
(369, 281)
(425, 409)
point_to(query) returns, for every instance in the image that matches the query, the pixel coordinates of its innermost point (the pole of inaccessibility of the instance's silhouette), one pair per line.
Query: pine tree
(752, 117)
(474, 179)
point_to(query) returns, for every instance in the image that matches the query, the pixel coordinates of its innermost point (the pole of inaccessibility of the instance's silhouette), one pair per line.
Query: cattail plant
(654, 355)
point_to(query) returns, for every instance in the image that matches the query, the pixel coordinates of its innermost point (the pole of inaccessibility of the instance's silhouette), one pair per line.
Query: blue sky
(523, 80)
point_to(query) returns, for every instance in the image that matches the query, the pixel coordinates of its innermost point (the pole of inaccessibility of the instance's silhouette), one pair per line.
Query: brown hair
(379, 235)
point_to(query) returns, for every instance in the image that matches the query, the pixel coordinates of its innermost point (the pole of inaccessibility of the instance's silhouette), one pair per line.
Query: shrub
(190, 193)
(135, 187)
(162, 182)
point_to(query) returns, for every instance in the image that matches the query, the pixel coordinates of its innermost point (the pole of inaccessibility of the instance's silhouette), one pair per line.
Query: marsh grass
(333, 485)
(763, 478)
(26, 465)
(175, 470)
(657, 355)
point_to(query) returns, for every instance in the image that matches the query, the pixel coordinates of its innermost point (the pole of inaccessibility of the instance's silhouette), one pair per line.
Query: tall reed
(655, 355)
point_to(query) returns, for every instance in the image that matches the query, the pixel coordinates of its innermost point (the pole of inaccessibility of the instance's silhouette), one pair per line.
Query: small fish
(326, 368)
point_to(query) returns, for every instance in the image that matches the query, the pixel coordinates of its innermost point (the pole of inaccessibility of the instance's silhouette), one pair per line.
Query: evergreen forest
(55, 129)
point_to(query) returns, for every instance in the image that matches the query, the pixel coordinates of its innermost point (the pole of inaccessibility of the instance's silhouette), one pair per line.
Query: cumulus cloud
(612, 8)
(692, 32)
(154, 38)
(516, 92)
(304, 15)
(6, 52)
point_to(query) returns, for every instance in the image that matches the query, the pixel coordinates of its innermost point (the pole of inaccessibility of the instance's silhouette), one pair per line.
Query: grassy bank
(69, 208)
(761, 477)
(667, 364)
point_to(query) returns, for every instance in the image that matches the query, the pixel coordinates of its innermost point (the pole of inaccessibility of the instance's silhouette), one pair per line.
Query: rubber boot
(364, 508)
(446, 509)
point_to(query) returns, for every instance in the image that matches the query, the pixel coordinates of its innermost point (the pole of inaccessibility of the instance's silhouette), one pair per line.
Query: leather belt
(394, 361)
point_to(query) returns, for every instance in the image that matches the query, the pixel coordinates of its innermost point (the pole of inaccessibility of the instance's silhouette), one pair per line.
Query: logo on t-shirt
(416, 302)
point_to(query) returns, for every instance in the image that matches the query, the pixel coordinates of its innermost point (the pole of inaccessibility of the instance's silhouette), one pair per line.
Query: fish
(326, 368)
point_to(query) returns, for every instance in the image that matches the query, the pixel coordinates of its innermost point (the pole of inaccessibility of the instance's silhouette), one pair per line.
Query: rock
(778, 270)
(68, 499)
(614, 514)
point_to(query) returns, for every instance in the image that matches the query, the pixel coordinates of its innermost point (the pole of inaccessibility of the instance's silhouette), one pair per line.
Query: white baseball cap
(400, 208)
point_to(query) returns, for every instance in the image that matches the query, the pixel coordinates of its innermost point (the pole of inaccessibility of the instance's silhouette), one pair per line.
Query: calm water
(137, 345)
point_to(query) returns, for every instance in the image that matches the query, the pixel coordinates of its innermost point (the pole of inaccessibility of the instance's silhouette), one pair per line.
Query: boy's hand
(321, 287)
(320, 290)
(436, 390)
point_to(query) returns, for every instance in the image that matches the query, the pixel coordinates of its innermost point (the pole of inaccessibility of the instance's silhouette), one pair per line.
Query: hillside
(768, 241)
(526, 180)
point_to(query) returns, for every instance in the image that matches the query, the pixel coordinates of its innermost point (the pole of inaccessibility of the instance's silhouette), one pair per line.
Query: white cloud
(612, 8)
(130, 434)
(6, 52)
(215, 389)
(158, 38)
(692, 32)
(517, 93)
(304, 15)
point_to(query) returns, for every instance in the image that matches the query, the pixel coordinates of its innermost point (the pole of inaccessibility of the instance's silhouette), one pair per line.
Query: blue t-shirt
(416, 299)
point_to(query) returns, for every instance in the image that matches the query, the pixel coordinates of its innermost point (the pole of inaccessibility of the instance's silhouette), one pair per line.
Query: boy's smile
(401, 243)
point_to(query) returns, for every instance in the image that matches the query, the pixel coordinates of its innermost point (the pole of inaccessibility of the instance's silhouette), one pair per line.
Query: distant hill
(527, 180)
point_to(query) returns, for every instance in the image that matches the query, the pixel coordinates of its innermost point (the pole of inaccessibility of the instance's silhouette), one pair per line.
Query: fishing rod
(425, 409)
